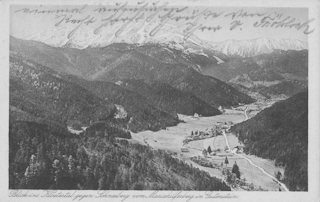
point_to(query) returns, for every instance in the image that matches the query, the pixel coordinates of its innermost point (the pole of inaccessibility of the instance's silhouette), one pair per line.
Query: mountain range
(262, 59)
(258, 46)
(151, 91)
(157, 67)
(142, 32)
(117, 62)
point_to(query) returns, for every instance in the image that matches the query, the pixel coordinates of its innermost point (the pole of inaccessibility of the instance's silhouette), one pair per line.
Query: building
(184, 149)
(238, 149)
(224, 154)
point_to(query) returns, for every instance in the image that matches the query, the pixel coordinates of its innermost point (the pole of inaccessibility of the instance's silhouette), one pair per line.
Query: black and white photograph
(160, 96)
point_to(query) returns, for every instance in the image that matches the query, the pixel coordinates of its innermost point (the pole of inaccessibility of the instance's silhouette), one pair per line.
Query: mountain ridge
(170, 35)
(257, 46)
(122, 61)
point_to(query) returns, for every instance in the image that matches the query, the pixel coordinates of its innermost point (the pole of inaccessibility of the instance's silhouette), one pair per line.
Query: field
(172, 138)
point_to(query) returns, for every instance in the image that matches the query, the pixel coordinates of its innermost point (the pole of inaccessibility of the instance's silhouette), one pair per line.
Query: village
(216, 130)
(208, 144)
(217, 154)
(215, 157)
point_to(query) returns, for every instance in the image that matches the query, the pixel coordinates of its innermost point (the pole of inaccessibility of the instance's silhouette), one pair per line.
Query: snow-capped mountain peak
(142, 32)
(247, 48)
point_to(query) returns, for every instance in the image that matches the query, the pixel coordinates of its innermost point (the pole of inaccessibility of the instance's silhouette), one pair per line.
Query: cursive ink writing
(241, 14)
(187, 19)
(286, 22)
(216, 28)
(68, 19)
(37, 11)
(235, 24)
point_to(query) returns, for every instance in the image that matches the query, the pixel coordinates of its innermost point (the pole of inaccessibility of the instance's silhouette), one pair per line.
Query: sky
(213, 23)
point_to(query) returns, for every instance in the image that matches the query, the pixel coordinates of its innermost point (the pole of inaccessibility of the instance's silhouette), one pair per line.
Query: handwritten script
(121, 195)
(188, 19)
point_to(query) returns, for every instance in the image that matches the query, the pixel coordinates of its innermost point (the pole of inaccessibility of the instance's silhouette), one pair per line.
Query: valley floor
(172, 138)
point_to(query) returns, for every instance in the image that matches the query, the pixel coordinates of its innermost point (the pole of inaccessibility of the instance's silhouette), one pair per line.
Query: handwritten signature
(289, 22)
(190, 20)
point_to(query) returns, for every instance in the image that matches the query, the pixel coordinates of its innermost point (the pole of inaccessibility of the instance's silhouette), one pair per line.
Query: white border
(314, 96)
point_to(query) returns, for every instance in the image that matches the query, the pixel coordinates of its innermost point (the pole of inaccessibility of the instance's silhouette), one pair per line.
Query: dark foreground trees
(43, 159)
(235, 169)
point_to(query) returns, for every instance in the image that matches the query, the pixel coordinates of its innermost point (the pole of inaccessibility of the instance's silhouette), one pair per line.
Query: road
(245, 113)
(262, 170)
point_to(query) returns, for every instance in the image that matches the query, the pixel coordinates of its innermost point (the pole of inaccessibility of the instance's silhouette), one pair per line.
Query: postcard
(160, 100)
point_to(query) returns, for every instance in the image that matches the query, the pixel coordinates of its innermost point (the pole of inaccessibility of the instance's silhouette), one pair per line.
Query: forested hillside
(280, 133)
(41, 158)
(288, 88)
(170, 99)
(66, 99)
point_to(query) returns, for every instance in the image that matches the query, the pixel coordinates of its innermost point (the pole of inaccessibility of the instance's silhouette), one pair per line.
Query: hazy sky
(24, 24)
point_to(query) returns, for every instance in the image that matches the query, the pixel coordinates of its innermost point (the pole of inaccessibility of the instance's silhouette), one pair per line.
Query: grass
(172, 138)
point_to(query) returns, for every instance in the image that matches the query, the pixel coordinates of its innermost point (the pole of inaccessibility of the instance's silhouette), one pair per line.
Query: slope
(144, 114)
(277, 65)
(135, 65)
(55, 96)
(170, 99)
(280, 133)
(127, 61)
(41, 92)
(288, 88)
(43, 159)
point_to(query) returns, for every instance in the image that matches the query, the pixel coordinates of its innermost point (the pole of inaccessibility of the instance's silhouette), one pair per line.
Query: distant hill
(288, 88)
(46, 94)
(258, 46)
(170, 99)
(146, 115)
(273, 66)
(265, 75)
(135, 65)
(41, 92)
(128, 61)
(280, 133)
(243, 80)
(292, 62)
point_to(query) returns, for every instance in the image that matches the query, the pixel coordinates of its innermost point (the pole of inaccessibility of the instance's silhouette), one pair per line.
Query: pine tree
(71, 167)
(44, 167)
(209, 150)
(32, 173)
(57, 172)
(226, 161)
(89, 182)
(235, 170)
